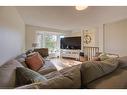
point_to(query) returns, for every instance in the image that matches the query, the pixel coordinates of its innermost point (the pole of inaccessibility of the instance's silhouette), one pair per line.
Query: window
(51, 42)
(48, 40)
(39, 40)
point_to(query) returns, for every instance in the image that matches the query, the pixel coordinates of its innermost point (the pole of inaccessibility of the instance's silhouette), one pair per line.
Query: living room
(71, 39)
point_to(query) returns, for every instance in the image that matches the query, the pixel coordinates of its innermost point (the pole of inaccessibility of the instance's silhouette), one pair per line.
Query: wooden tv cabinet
(69, 53)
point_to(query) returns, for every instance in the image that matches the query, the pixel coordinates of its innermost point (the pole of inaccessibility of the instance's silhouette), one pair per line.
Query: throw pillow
(33, 53)
(35, 61)
(113, 55)
(30, 54)
(103, 56)
(26, 76)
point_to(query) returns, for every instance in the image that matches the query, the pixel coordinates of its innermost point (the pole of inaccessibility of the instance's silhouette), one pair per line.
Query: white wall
(115, 35)
(101, 37)
(12, 34)
(31, 33)
(73, 33)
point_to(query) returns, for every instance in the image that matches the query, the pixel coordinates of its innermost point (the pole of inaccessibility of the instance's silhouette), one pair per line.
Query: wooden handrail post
(90, 51)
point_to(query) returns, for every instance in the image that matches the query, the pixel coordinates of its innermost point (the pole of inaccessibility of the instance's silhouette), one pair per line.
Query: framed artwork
(87, 39)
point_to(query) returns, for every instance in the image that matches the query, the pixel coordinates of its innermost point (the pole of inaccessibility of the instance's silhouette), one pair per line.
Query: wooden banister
(90, 51)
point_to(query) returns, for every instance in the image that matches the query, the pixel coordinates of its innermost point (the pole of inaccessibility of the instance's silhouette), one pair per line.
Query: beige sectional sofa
(91, 74)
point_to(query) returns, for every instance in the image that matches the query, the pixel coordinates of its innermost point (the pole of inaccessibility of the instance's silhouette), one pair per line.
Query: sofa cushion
(8, 74)
(59, 82)
(34, 61)
(23, 55)
(91, 71)
(22, 61)
(26, 76)
(43, 51)
(123, 61)
(73, 73)
(47, 68)
(53, 74)
(114, 80)
(21, 58)
(63, 79)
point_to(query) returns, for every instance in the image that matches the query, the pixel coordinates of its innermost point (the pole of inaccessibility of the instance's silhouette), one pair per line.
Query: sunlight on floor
(61, 63)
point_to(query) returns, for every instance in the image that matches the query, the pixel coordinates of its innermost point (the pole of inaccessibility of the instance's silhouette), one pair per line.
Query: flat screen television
(70, 43)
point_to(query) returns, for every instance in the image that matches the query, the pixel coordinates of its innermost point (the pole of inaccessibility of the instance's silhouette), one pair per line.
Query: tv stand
(70, 53)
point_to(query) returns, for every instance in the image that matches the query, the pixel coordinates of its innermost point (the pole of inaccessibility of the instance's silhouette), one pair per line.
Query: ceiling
(67, 18)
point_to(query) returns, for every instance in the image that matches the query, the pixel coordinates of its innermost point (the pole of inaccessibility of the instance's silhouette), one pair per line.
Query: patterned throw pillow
(103, 56)
(26, 76)
(35, 61)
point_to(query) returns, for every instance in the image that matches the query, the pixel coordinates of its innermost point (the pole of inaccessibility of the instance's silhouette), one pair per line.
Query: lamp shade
(79, 8)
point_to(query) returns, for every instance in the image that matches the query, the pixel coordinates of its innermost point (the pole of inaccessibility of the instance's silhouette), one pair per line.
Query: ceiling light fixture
(80, 8)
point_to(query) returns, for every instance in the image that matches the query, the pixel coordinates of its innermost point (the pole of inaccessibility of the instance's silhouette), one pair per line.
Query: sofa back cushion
(21, 58)
(91, 70)
(8, 74)
(114, 80)
(47, 68)
(42, 51)
(23, 62)
(34, 61)
(26, 76)
(73, 73)
(103, 56)
(123, 61)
